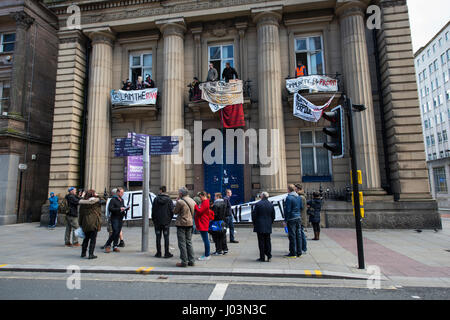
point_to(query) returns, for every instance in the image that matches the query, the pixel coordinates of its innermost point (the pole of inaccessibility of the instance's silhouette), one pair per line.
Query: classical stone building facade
(28, 53)
(263, 40)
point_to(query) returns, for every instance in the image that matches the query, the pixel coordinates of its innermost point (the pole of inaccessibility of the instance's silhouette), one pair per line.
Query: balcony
(120, 111)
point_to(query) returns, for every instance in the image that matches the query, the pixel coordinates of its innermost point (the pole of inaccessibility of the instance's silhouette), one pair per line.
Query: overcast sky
(427, 17)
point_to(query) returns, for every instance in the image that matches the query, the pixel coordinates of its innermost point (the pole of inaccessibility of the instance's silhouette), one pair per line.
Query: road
(52, 286)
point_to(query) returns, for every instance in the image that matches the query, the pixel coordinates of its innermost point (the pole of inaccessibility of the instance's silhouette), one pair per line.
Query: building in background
(28, 63)
(432, 72)
(175, 41)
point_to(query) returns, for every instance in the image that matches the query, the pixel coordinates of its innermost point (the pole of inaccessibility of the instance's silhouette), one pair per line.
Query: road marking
(148, 269)
(219, 291)
(308, 272)
(318, 273)
(415, 297)
(2, 265)
(140, 269)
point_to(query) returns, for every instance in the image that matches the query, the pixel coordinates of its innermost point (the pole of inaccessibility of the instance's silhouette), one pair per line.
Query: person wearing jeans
(229, 215)
(117, 210)
(53, 210)
(184, 210)
(162, 214)
(292, 207)
(203, 215)
(304, 219)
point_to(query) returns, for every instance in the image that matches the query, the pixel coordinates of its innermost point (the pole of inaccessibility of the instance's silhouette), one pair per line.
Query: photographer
(127, 85)
(195, 94)
(118, 211)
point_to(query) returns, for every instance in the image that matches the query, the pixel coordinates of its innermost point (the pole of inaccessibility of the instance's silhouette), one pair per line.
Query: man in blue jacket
(292, 216)
(53, 210)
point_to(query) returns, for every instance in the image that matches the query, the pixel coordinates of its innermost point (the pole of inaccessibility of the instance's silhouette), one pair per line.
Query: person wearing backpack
(292, 208)
(184, 209)
(72, 217)
(53, 210)
(220, 235)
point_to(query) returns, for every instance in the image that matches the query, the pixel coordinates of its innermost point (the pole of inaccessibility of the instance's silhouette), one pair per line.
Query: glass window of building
(446, 76)
(434, 47)
(440, 180)
(7, 42)
(436, 66)
(443, 59)
(4, 96)
(316, 160)
(440, 99)
(444, 135)
(430, 67)
(219, 55)
(309, 51)
(439, 135)
(448, 94)
(428, 141)
(429, 53)
(440, 42)
(140, 65)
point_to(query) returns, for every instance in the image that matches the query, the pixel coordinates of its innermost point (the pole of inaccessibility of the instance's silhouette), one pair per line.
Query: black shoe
(168, 255)
(121, 244)
(299, 255)
(234, 241)
(290, 256)
(260, 260)
(158, 255)
(83, 254)
(102, 247)
(217, 253)
(191, 264)
(225, 252)
(91, 256)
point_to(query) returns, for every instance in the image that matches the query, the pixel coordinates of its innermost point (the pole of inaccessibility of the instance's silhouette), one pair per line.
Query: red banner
(233, 116)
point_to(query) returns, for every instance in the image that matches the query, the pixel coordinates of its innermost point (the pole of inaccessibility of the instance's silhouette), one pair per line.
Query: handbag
(79, 233)
(217, 225)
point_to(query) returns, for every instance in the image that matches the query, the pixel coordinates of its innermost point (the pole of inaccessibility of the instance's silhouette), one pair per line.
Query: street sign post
(145, 195)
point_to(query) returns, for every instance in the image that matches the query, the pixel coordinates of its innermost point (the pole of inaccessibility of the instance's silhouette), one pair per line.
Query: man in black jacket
(72, 217)
(162, 214)
(118, 211)
(263, 216)
(220, 237)
(229, 72)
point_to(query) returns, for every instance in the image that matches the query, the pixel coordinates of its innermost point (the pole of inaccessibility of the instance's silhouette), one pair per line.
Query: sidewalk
(398, 253)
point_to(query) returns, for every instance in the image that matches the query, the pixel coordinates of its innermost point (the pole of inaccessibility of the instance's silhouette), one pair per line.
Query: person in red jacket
(203, 214)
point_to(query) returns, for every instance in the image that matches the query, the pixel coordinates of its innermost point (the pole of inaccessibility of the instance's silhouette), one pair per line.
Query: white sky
(427, 17)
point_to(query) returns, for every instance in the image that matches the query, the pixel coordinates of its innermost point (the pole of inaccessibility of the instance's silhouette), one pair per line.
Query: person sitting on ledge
(195, 94)
(127, 85)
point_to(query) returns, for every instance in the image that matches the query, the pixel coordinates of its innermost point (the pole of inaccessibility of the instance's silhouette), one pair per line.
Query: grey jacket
(212, 75)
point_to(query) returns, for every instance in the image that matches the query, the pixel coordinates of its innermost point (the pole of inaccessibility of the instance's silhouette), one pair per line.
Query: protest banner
(241, 212)
(134, 168)
(307, 111)
(134, 97)
(317, 83)
(221, 94)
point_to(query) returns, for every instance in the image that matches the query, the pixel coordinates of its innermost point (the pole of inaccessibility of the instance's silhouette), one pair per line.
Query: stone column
(19, 72)
(270, 107)
(359, 89)
(98, 140)
(172, 174)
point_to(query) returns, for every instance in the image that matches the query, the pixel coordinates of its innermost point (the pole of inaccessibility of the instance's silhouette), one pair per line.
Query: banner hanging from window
(307, 111)
(134, 97)
(318, 83)
(221, 94)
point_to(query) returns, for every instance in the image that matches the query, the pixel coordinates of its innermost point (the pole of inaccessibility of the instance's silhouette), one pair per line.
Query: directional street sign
(138, 140)
(165, 145)
(123, 147)
(159, 145)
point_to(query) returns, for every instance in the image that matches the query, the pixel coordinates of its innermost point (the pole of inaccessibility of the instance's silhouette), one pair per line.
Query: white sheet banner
(134, 97)
(241, 212)
(307, 111)
(216, 107)
(222, 93)
(318, 83)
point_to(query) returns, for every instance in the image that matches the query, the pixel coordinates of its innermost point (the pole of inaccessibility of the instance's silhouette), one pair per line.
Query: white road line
(415, 297)
(219, 291)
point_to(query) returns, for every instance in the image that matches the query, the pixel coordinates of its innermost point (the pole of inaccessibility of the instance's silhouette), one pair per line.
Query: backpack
(64, 207)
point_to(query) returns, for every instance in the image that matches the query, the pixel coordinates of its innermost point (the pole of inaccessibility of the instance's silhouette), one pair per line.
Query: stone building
(433, 74)
(28, 53)
(176, 40)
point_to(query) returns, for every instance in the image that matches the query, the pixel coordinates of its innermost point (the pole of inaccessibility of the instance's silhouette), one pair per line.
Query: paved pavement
(399, 254)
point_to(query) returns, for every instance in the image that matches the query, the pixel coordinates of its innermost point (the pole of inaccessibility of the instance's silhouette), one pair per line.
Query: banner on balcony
(221, 94)
(318, 83)
(307, 111)
(134, 97)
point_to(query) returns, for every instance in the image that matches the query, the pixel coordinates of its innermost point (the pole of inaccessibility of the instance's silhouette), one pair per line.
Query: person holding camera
(117, 210)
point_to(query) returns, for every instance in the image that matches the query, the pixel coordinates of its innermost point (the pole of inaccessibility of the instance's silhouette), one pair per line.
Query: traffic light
(336, 132)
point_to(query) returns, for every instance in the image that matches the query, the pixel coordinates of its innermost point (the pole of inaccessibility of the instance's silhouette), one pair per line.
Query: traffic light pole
(359, 238)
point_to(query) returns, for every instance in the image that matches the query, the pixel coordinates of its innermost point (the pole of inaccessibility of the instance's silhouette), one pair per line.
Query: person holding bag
(184, 210)
(217, 226)
(203, 215)
(90, 221)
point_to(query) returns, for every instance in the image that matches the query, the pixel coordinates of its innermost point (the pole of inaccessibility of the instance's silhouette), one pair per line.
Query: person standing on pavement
(109, 227)
(72, 217)
(220, 236)
(315, 205)
(90, 220)
(53, 210)
(202, 217)
(292, 208)
(198, 201)
(229, 215)
(184, 210)
(118, 211)
(263, 216)
(304, 215)
(162, 214)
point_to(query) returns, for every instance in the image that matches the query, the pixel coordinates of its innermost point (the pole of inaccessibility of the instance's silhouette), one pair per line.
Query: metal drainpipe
(387, 168)
(84, 119)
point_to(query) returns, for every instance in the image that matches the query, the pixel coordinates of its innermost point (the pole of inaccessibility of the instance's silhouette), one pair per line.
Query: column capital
(101, 35)
(172, 27)
(22, 19)
(269, 15)
(351, 7)
(70, 36)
